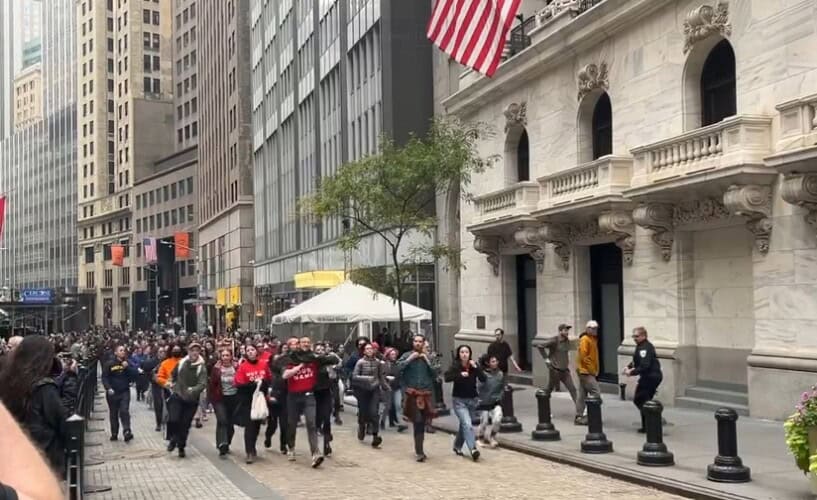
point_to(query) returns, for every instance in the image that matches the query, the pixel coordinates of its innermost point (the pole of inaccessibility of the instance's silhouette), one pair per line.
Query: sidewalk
(690, 435)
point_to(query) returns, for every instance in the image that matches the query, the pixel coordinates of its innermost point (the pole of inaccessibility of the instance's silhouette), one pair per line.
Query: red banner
(2, 214)
(118, 255)
(181, 241)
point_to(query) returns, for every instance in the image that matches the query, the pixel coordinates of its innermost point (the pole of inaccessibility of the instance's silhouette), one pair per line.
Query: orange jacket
(588, 363)
(165, 372)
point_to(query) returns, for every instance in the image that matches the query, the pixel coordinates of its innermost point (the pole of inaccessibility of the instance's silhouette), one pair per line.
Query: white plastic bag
(258, 409)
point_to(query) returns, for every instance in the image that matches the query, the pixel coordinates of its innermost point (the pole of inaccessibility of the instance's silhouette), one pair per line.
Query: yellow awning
(221, 297)
(234, 296)
(319, 279)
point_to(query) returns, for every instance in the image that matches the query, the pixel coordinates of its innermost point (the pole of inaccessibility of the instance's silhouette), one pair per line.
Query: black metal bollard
(545, 430)
(595, 441)
(622, 390)
(73, 457)
(509, 423)
(439, 401)
(728, 467)
(654, 453)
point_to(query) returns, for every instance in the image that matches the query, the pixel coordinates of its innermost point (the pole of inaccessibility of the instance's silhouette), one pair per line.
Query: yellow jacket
(588, 363)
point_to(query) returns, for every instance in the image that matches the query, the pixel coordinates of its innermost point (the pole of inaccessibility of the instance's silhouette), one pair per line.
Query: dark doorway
(608, 305)
(718, 95)
(526, 308)
(523, 158)
(602, 127)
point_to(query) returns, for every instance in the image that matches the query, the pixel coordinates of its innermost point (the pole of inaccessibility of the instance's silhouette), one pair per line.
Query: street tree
(391, 194)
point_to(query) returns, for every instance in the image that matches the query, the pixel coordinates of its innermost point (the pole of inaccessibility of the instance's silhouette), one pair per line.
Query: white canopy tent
(350, 303)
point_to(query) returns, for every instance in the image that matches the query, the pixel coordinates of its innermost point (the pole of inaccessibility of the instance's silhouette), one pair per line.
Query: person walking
(417, 379)
(556, 351)
(647, 368)
(224, 396)
(151, 366)
(164, 378)
(278, 402)
(588, 368)
(189, 380)
(251, 375)
(394, 397)
(31, 395)
(327, 376)
(503, 352)
(137, 358)
(490, 402)
(367, 380)
(464, 373)
(116, 378)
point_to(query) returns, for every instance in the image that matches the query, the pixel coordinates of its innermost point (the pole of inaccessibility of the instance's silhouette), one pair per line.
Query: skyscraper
(125, 113)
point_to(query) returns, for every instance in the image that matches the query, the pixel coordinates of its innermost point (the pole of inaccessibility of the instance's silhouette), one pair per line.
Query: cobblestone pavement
(357, 469)
(143, 470)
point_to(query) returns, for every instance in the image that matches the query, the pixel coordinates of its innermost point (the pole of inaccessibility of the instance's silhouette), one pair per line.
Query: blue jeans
(463, 408)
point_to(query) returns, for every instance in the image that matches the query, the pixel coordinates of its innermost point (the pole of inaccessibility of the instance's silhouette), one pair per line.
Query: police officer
(646, 366)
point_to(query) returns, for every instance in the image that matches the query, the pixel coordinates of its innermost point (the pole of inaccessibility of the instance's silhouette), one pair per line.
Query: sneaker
(268, 442)
(291, 456)
(421, 457)
(317, 460)
(114, 438)
(327, 450)
(580, 420)
(158, 428)
(457, 452)
(338, 421)
(493, 443)
(475, 455)
(376, 441)
(222, 450)
(361, 432)
(284, 450)
(198, 423)
(250, 458)
(182, 454)
(171, 446)
(128, 436)
(402, 428)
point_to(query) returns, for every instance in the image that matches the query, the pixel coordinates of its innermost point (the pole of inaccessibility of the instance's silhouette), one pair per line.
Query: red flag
(118, 255)
(2, 214)
(181, 241)
(473, 32)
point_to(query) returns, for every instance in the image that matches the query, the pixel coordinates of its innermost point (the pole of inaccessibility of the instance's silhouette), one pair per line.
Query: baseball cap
(193, 345)
(592, 324)
(564, 326)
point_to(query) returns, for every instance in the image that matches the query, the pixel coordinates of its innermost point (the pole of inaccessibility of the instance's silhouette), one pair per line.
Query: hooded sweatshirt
(588, 355)
(490, 390)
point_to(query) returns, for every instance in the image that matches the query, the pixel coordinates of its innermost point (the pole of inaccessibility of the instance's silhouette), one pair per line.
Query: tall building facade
(656, 171)
(185, 72)
(28, 97)
(226, 249)
(38, 165)
(329, 78)
(125, 115)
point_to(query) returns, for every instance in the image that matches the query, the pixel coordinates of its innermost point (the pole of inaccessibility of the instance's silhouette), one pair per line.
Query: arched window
(602, 127)
(523, 158)
(718, 96)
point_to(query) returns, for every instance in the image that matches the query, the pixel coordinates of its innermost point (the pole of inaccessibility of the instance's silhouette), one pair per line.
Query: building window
(718, 95)
(523, 158)
(89, 279)
(108, 277)
(602, 127)
(146, 16)
(89, 255)
(125, 275)
(138, 274)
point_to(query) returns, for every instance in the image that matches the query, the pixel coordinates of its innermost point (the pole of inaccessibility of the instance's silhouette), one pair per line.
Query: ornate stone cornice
(516, 115)
(592, 77)
(801, 190)
(620, 224)
(489, 246)
(699, 211)
(753, 203)
(535, 239)
(554, 8)
(528, 238)
(658, 219)
(705, 21)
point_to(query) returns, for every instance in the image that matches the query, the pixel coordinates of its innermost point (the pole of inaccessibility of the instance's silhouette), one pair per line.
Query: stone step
(709, 405)
(722, 395)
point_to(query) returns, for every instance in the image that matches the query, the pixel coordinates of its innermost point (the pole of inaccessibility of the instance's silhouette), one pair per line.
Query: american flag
(473, 32)
(150, 250)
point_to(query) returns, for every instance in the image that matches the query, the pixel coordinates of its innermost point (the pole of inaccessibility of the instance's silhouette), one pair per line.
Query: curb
(667, 485)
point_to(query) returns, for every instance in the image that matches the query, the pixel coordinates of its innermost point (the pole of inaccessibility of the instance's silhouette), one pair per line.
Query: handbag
(258, 408)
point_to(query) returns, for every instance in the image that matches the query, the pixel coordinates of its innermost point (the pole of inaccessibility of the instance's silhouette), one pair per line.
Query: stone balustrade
(734, 141)
(798, 123)
(606, 176)
(519, 199)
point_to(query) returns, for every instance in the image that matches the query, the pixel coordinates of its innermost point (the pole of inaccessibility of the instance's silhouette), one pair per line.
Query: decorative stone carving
(705, 21)
(754, 203)
(528, 238)
(538, 254)
(489, 246)
(620, 224)
(584, 231)
(592, 77)
(516, 115)
(657, 218)
(699, 211)
(535, 239)
(553, 8)
(801, 190)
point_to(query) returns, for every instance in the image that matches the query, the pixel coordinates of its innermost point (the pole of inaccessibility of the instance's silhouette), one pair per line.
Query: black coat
(45, 423)
(69, 391)
(645, 362)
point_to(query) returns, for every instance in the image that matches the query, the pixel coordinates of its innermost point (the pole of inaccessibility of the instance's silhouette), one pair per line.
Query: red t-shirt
(305, 379)
(251, 372)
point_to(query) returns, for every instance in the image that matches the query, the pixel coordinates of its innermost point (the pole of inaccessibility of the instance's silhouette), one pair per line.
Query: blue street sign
(37, 296)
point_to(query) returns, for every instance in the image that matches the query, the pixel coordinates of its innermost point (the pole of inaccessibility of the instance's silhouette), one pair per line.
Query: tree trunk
(398, 285)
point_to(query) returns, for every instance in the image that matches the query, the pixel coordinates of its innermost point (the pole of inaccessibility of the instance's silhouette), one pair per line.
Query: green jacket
(189, 379)
(416, 374)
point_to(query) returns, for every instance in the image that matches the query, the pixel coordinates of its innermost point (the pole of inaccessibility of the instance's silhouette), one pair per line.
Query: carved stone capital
(801, 190)
(516, 115)
(699, 211)
(620, 224)
(562, 250)
(658, 219)
(537, 238)
(592, 77)
(705, 21)
(753, 203)
(529, 239)
(489, 246)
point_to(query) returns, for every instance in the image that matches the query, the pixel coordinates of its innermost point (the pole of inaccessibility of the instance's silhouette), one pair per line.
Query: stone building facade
(657, 167)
